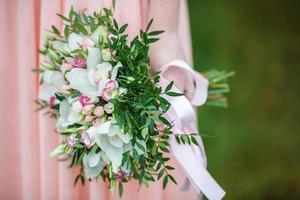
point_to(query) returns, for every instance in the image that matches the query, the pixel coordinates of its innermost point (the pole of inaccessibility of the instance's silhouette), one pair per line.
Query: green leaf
(55, 30)
(113, 31)
(63, 17)
(178, 139)
(114, 4)
(116, 25)
(174, 94)
(123, 28)
(165, 181)
(164, 149)
(79, 177)
(194, 141)
(152, 40)
(66, 31)
(145, 132)
(160, 174)
(170, 168)
(149, 25)
(120, 189)
(153, 33)
(38, 71)
(135, 155)
(172, 179)
(169, 87)
(141, 147)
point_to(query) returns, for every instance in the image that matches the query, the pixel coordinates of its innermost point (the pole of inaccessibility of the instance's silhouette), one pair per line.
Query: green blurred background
(254, 145)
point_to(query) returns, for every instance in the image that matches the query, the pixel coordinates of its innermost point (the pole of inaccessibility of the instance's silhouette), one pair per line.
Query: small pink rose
(96, 122)
(88, 118)
(108, 90)
(109, 108)
(86, 42)
(99, 111)
(87, 108)
(79, 61)
(65, 67)
(85, 100)
(52, 101)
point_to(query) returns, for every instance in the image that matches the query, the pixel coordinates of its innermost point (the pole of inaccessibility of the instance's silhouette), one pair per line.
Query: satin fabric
(27, 136)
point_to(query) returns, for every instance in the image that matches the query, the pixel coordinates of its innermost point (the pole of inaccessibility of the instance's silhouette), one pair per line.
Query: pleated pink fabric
(26, 136)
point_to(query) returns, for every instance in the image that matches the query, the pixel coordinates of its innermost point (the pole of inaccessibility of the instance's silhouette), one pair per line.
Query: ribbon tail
(194, 166)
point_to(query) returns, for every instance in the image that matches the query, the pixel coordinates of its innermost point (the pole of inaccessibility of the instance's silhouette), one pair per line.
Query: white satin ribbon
(191, 157)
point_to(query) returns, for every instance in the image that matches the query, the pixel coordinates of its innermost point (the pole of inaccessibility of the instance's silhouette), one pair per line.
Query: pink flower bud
(120, 176)
(88, 118)
(109, 108)
(96, 122)
(65, 67)
(87, 108)
(52, 101)
(99, 111)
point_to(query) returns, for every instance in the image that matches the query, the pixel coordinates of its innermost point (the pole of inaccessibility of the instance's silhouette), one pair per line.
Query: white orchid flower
(69, 114)
(95, 81)
(93, 164)
(52, 83)
(112, 142)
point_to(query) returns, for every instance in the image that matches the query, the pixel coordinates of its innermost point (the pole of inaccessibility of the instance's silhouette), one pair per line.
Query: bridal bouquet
(110, 109)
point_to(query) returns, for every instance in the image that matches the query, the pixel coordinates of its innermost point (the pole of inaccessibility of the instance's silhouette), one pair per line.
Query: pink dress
(27, 137)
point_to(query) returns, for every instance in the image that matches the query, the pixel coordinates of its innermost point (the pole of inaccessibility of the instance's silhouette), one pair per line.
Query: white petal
(47, 91)
(74, 117)
(104, 157)
(93, 159)
(125, 137)
(47, 76)
(114, 72)
(101, 86)
(76, 107)
(91, 172)
(64, 109)
(79, 80)
(60, 45)
(103, 128)
(113, 131)
(114, 154)
(74, 41)
(91, 131)
(58, 79)
(94, 57)
(115, 141)
(92, 76)
(104, 68)
(127, 147)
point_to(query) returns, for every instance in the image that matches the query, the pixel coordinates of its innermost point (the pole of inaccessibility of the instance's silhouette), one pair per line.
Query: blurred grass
(255, 148)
